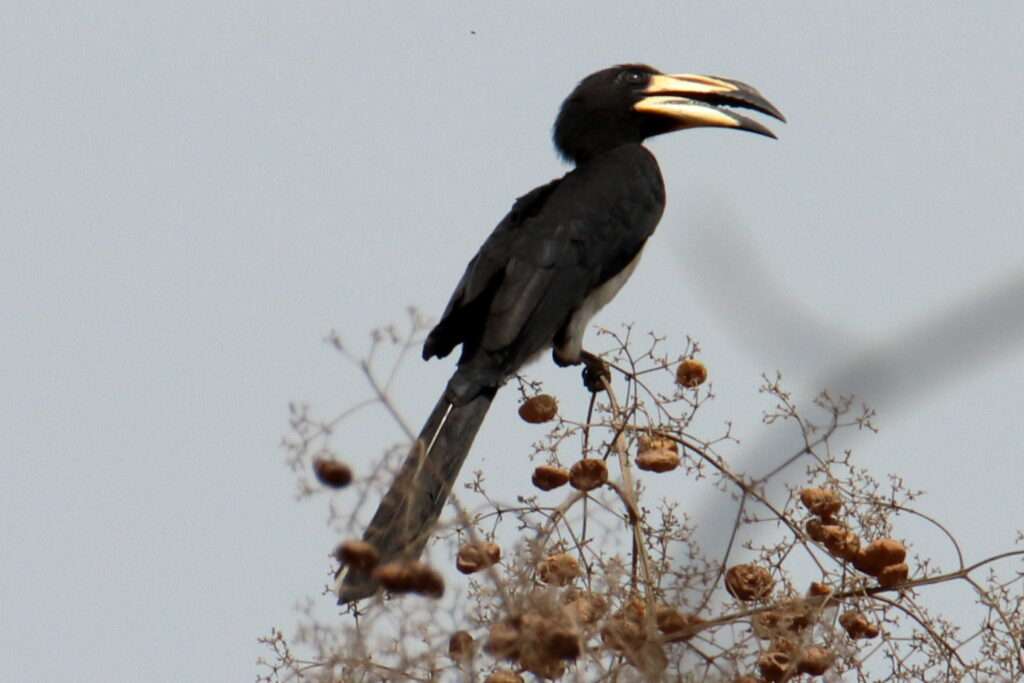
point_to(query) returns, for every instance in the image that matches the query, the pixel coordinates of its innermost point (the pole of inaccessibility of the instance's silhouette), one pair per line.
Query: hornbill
(562, 252)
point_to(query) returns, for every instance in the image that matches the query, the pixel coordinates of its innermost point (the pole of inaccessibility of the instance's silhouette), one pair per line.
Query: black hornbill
(563, 251)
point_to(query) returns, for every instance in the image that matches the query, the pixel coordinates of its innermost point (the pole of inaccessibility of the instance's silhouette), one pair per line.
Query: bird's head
(632, 102)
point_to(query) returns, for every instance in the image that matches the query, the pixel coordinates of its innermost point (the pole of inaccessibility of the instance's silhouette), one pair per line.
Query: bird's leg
(594, 369)
(595, 372)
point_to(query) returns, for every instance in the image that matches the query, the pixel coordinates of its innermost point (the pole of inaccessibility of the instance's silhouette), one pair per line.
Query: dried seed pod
(748, 582)
(815, 529)
(657, 443)
(624, 632)
(893, 575)
(857, 625)
(558, 570)
(474, 557)
(824, 503)
(779, 623)
(410, 577)
(840, 541)
(562, 641)
(588, 474)
(540, 408)
(676, 625)
(503, 639)
(460, 645)
(657, 460)
(691, 373)
(880, 554)
(547, 477)
(359, 555)
(504, 676)
(814, 661)
(623, 635)
(541, 650)
(587, 608)
(773, 665)
(635, 609)
(819, 590)
(332, 473)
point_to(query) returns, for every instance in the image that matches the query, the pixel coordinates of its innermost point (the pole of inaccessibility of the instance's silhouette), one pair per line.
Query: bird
(562, 252)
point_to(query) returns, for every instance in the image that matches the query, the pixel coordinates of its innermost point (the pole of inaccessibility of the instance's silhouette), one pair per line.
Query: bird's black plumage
(558, 244)
(562, 252)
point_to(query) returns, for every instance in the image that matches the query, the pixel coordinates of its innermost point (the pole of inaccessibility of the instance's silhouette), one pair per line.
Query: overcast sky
(194, 193)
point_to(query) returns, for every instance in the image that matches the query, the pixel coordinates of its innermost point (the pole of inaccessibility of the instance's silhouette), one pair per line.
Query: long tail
(406, 516)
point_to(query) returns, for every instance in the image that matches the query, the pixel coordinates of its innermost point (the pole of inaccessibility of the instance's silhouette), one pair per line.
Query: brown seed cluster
(787, 620)
(691, 373)
(624, 631)
(784, 659)
(547, 477)
(628, 634)
(474, 557)
(460, 645)
(585, 607)
(558, 570)
(540, 644)
(657, 454)
(814, 661)
(884, 559)
(410, 577)
(359, 555)
(840, 541)
(824, 528)
(539, 409)
(879, 554)
(748, 582)
(774, 665)
(588, 474)
(676, 625)
(857, 625)
(819, 591)
(822, 503)
(332, 473)
(504, 676)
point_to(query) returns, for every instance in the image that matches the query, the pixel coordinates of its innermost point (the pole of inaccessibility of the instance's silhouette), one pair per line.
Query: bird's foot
(595, 372)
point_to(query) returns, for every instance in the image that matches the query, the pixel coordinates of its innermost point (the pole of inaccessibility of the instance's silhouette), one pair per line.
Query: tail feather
(406, 515)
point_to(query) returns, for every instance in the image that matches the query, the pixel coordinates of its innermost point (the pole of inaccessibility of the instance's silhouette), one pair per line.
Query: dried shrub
(857, 625)
(607, 585)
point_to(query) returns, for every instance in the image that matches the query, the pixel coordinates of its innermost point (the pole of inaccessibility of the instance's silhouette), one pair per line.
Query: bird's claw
(595, 372)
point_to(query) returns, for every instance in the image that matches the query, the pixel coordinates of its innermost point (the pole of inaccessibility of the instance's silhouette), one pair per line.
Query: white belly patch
(595, 301)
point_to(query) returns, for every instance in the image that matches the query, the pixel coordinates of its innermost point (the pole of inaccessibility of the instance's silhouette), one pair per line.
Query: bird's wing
(557, 245)
(467, 308)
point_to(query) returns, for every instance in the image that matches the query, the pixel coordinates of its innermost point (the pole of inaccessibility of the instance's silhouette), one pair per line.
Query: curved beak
(694, 101)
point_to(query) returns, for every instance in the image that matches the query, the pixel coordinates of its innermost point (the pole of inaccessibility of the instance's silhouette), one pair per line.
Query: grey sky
(195, 193)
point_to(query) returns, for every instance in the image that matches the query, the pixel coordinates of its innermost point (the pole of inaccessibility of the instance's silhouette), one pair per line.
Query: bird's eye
(632, 77)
